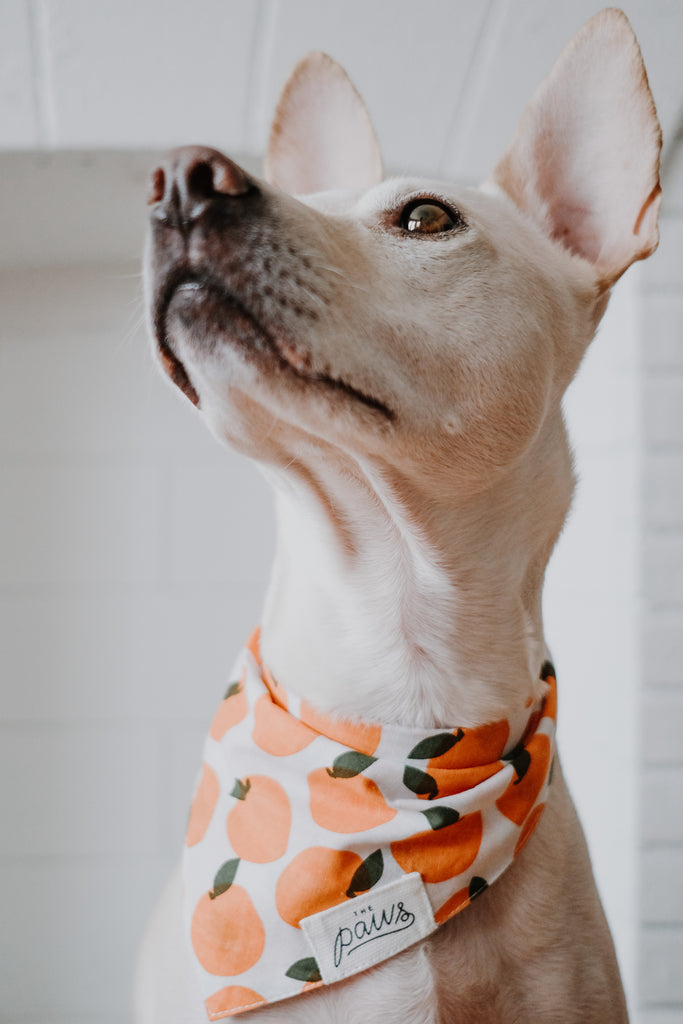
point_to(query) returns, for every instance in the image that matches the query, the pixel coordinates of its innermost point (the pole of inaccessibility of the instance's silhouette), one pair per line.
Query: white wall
(133, 557)
(661, 713)
(445, 85)
(592, 611)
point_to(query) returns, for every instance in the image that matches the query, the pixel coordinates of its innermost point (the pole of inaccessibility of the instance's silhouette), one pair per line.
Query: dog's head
(428, 326)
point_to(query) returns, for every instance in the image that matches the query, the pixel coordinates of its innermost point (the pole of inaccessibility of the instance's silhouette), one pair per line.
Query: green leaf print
(240, 789)
(420, 783)
(367, 875)
(520, 759)
(225, 876)
(349, 764)
(440, 817)
(305, 970)
(435, 746)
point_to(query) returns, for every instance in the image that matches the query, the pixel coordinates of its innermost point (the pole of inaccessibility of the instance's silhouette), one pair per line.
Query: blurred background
(134, 551)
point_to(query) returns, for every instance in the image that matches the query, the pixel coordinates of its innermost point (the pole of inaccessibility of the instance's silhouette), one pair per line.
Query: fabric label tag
(370, 928)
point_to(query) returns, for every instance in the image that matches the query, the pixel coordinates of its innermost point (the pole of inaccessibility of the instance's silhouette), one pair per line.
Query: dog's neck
(394, 605)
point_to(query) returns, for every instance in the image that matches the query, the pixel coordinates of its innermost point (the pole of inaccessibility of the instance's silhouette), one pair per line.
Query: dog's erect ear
(321, 136)
(584, 162)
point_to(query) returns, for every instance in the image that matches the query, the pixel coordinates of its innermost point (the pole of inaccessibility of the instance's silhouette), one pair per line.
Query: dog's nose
(189, 180)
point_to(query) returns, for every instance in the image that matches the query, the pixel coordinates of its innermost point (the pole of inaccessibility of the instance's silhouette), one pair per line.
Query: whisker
(342, 274)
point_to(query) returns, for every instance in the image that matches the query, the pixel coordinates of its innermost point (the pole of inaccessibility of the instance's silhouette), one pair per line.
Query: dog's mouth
(191, 301)
(170, 362)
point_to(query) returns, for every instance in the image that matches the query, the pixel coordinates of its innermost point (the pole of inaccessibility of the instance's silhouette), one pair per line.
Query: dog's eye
(428, 217)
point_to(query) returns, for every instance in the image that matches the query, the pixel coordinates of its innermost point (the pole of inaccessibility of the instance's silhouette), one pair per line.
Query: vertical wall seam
(37, 71)
(473, 80)
(41, 78)
(262, 43)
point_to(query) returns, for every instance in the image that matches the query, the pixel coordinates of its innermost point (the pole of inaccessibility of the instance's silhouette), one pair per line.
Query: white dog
(394, 353)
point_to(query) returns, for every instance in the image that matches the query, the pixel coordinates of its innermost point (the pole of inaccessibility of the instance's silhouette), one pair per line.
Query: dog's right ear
(321, 137)
(584, 163)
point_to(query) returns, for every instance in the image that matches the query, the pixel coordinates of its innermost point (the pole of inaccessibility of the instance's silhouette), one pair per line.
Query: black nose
(190, 179)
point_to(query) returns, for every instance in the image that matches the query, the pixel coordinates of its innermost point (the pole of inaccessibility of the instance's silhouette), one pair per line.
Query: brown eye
(428, 217)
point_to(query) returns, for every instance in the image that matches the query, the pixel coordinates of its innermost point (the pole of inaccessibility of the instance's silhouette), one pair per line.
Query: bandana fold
(318, 847)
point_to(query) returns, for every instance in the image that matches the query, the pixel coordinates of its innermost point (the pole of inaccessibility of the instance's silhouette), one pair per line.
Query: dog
(393, 353)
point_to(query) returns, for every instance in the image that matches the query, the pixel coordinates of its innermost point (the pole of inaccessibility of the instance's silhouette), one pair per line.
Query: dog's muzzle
(191, 187)
(211, 224)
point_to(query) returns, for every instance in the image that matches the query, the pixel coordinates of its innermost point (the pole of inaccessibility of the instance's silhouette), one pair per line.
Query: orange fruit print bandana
(317, 848)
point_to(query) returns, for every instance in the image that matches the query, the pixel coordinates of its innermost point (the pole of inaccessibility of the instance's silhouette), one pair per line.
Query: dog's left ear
(584, 162)
(322, 136)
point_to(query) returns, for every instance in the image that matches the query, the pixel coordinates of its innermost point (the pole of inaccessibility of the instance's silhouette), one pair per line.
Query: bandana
(317, 848)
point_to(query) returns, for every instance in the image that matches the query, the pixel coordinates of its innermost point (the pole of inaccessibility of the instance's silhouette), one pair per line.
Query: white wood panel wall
(661, 718)
(445, 80)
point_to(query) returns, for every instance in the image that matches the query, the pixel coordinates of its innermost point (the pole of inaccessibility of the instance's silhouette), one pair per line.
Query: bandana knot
(318, 847)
